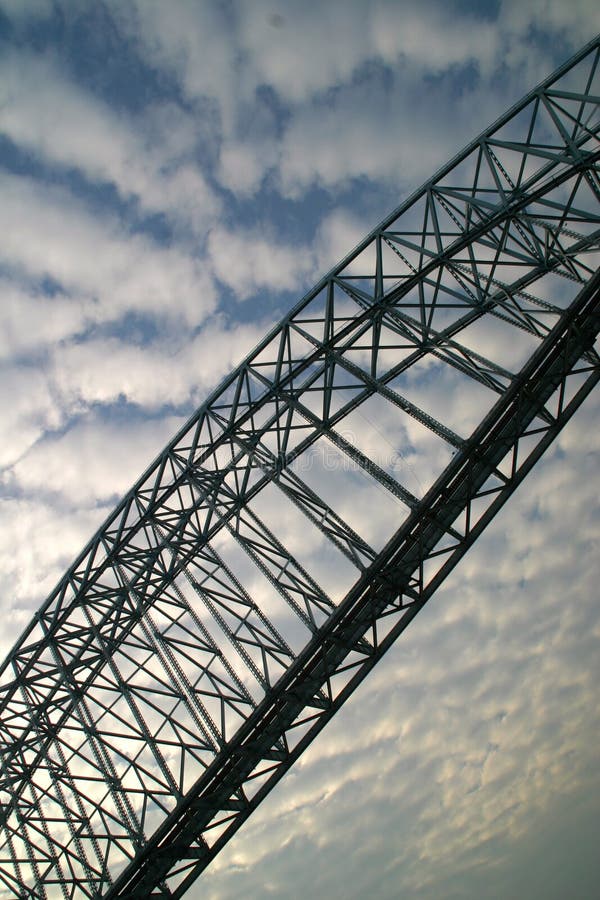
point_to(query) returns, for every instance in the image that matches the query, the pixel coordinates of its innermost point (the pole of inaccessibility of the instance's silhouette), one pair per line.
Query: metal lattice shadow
(304, 515)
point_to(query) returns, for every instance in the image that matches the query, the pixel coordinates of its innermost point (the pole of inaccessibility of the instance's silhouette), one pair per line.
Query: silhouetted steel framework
(188, 657)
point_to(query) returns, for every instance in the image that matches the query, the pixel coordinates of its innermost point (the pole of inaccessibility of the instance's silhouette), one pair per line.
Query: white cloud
(304, 49)
(316, 58)
(78, 376)
(105, 370)
(194, 43)
(24, 10)
(247, 260)
(368, 132)
(94, 460)
(37, 543)
(481, 723)
(243, 165)
(338, 233)
(27, 409)
(574, 25)
(148, 158)
(474, 732)
(432, 37)
(305, 54)
(350, 124)
(51, 234)
(31, 320)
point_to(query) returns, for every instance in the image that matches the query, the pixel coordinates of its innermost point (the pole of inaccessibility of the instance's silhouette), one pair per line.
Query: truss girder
(191, 653)
(382, 603)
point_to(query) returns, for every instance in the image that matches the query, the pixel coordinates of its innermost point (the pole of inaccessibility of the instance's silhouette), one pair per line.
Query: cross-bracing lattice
(303, 516)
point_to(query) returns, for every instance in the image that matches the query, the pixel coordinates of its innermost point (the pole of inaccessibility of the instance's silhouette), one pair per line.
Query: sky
(173, 177)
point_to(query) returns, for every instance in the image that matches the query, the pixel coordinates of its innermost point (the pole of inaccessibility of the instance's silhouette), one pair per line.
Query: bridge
(194, 650)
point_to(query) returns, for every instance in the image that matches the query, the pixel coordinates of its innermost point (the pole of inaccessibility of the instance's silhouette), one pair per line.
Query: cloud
(80, 376)
(338, 232)
(50, 234)
(308, 50)
(38, 540)
(194, 44)
(396, 128)
(572, 27)
(27, 409)
(27, 10)
(107, 370)
(473, 734)
(320, 96)
(480, 726)
(432, 37)
(248, 260)
(94, 460)
(305, 49)
(49, 319)
(304, 59)
(243, 164)
(149, 157)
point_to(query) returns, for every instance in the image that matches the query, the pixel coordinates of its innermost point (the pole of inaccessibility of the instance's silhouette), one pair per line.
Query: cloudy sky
(173, 177)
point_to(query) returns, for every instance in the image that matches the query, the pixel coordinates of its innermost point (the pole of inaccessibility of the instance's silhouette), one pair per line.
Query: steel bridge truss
(199, 643)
